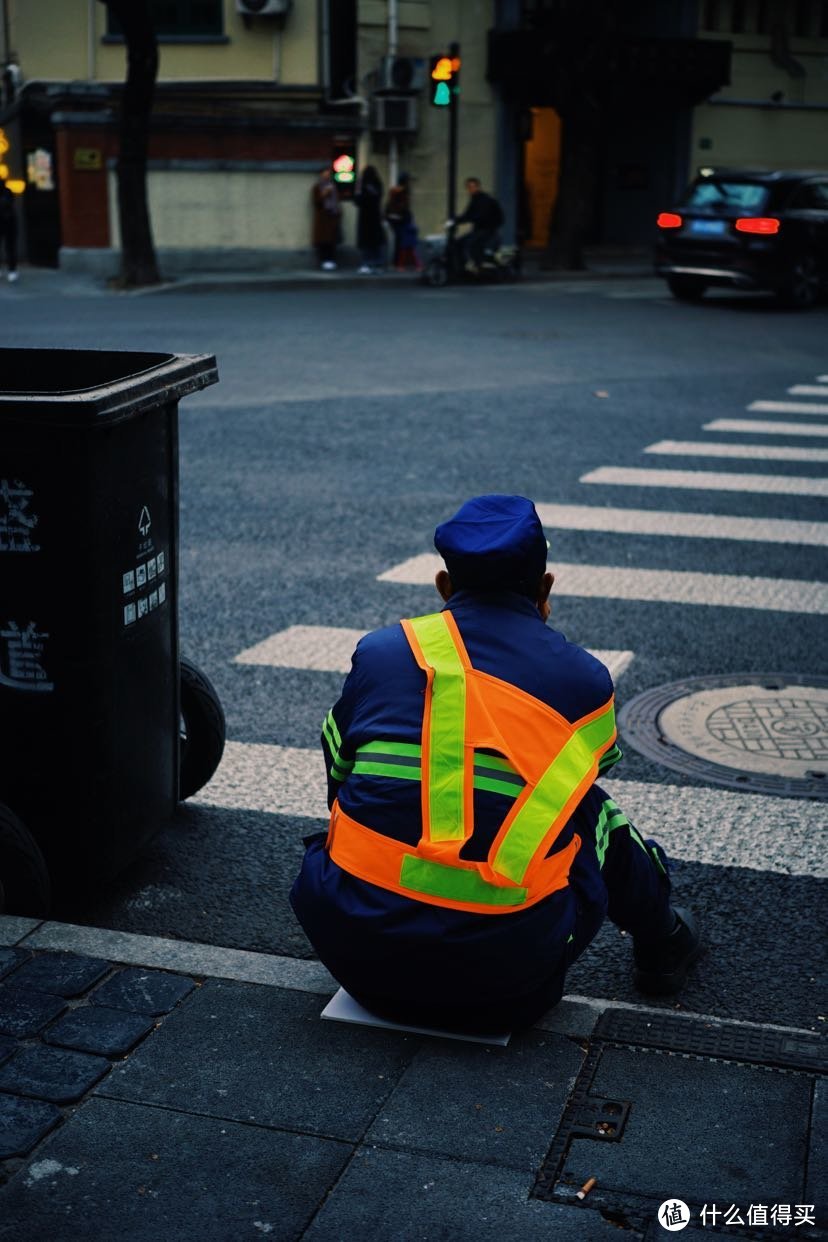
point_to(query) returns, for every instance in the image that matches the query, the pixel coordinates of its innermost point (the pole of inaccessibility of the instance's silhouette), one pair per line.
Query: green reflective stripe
(447, 728)
(547, 800)
(510, 788)
(411, 749)
(366, 768)
(330, 729)
(423, 875)
(610, 758)
(340, 774)
(610, 817)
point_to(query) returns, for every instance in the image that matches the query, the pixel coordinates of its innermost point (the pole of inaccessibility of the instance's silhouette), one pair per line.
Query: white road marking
(748, 452)
(754, 426)
(328, 649)
(654, 586)
(809, 390)
(708, 480)
(691, 525)
(710, 826)
(789, 407)
(822, 379)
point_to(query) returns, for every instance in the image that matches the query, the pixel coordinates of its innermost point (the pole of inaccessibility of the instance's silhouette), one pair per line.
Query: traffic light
(445, 76)
(344, 168)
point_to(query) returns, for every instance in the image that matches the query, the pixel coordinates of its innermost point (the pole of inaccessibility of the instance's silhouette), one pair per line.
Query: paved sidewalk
(602, 264)
(161, 1090)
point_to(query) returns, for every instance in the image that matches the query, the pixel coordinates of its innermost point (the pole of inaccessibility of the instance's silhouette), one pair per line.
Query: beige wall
(227, 210)
(52, 39)
(765, 137)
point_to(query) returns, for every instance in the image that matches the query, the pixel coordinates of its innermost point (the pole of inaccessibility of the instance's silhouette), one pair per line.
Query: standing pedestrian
(399, 215)
(8, 230)
(370, 232)
(326, 220)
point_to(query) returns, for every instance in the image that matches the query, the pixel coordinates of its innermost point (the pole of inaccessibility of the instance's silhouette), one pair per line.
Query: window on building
(180, 19)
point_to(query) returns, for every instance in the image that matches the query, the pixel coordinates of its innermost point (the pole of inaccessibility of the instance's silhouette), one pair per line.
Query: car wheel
(436, 274)
(202, 730)
(800, 289)
(25, 887)
(686, 288)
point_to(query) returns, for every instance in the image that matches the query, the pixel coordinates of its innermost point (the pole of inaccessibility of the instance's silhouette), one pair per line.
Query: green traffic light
(442, 95)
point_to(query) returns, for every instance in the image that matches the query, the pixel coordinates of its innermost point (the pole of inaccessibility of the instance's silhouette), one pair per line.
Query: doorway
(541, 175)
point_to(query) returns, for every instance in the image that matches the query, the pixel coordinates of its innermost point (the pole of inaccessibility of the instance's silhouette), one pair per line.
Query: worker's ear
(543, 595)
(444, 585)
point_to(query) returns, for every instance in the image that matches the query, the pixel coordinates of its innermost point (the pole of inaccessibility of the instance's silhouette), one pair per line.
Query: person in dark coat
(326, 220)
(8, 230)
(485, 215)
(370, 231)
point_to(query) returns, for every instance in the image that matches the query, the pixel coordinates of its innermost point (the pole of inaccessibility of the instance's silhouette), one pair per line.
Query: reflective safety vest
(467, 709)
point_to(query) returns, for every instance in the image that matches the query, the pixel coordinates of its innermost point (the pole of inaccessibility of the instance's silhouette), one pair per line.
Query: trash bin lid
(95, 386)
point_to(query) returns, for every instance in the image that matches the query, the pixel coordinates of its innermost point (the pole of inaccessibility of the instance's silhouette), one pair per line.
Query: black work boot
(661, 965)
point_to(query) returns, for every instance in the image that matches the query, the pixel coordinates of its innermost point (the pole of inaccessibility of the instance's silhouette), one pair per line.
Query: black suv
(748, 230)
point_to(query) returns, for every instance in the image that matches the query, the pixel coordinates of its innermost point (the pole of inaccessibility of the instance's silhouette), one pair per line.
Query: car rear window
(746, 196)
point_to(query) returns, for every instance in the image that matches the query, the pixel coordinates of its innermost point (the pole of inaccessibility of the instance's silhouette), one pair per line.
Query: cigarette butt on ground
(586, 1188)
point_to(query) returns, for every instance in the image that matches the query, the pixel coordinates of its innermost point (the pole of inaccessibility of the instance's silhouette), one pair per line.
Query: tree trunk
(138, 261)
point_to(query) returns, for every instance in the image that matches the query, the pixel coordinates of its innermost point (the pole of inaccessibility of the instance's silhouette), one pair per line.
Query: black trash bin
(90, 694)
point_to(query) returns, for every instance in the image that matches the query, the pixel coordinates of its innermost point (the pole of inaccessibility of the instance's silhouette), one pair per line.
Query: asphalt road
(347, 423)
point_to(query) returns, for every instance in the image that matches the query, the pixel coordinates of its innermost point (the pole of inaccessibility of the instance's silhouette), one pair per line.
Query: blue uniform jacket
(382, 943)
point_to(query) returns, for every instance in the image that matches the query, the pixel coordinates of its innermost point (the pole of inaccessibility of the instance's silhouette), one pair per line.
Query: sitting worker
(471, 857)
(485, 215)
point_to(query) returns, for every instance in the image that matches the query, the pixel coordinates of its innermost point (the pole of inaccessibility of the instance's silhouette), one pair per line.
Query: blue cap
(494, 541)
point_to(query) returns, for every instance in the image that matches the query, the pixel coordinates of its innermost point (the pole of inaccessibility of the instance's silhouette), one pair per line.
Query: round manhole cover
(765, 732)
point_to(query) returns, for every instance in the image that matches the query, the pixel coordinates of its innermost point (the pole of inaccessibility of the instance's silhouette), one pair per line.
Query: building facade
(253, 97)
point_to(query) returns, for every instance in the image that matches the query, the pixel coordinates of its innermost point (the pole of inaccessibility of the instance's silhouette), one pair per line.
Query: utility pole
(454, 103)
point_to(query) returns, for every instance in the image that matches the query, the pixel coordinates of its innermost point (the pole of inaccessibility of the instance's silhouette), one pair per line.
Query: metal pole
(393, 145)
(454, 100)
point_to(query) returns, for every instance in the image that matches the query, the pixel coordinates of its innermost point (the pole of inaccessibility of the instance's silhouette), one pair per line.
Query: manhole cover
(766, 732)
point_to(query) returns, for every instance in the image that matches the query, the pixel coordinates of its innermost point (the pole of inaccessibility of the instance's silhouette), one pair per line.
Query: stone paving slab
(24, 1012)
(13, 928)
(491, 1105)
(53, 1074)
(414, 1197)
(263, 1055)
(105, 1032)
(23, 1123)
(152, 992)
(10, 959)
(61, 974)
(120, 1172)
(7, 1047)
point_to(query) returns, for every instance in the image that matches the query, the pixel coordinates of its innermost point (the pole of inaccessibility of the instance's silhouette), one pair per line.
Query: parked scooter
(446, 262)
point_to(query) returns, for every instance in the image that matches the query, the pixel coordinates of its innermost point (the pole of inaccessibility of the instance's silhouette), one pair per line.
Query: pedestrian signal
(445, 71)
(343, 167)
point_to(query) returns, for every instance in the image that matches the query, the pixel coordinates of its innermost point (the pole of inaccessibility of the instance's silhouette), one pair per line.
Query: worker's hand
(449, 224)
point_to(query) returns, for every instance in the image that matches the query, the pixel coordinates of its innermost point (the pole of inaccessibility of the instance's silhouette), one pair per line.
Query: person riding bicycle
(485, 215)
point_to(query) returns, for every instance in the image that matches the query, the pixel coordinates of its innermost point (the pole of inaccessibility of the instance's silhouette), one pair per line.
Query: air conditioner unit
(263, 8)
(401, 73)
(394, 114)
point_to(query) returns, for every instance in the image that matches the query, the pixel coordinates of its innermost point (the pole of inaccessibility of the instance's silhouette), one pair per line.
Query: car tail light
(757, 224)
(669, 220)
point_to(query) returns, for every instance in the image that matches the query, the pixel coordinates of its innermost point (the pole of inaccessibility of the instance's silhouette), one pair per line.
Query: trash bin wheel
(202, 729)
(24, 877)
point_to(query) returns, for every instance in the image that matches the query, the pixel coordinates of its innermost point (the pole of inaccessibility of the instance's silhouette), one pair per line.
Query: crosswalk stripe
(822, 379)
(704, 480)
(654, 586)
(755, 426)
(691, 525)
(325, 648)
(709, 826)
(809, 390)
(789, 407)
(747, 452)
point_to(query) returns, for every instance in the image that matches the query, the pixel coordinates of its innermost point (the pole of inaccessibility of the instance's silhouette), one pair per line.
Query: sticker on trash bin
(152, 568)
(148, 572)
(141, 576)
(21, 658)
(17, 522)
(143, 607)
(129, 582)
(130, 614)
(144, 521)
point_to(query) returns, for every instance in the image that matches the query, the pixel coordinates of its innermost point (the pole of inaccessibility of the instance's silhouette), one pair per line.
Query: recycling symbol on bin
(144, 521)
